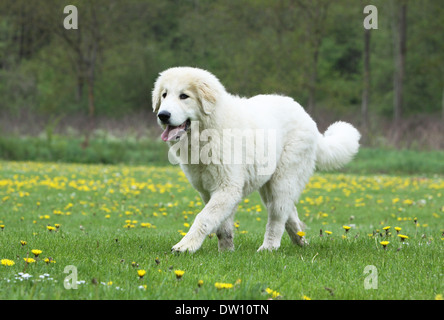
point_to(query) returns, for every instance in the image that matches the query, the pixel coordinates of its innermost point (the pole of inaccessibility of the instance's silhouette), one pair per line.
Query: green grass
(102, 149)
(103, 211)
(393, 162)
(107, 149)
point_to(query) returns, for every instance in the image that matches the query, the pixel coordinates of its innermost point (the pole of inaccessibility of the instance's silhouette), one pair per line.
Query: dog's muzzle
(172, 133)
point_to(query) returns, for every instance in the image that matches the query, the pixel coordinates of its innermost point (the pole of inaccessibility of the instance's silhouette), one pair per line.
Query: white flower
(25, 276)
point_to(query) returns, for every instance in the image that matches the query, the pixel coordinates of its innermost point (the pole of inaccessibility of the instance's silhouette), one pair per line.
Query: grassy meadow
(116, 225)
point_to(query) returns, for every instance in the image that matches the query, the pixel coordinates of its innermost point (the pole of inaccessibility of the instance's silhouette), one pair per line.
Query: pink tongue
(170, 133)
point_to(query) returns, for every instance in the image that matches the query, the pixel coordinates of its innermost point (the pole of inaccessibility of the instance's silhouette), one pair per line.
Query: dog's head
(182, 95)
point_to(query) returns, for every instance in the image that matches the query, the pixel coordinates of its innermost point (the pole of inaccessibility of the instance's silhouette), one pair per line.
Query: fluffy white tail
(337, 146)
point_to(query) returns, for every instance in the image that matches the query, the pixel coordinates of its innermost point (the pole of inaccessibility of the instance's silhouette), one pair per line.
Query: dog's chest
(204, 178)
(196, 175)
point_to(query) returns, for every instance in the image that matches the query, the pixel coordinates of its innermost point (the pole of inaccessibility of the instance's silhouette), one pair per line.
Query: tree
(84, 46)
(316, 14)
(400, 37)
(370, 22)
(366, 84)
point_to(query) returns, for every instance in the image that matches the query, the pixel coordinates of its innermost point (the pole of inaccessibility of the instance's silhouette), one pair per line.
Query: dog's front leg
(216, 211)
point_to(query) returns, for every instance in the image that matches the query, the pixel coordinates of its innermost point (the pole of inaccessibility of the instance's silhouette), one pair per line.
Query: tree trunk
(90, 78)
(79, 91)
(91, 104)
(316, 14)
(366, 86)
(312, 83)
(400, 64)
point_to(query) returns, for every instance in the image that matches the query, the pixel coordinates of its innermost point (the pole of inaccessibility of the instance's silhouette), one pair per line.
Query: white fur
(299, 149)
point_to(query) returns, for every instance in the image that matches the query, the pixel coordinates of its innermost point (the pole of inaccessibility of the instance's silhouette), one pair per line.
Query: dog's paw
(185, 246)
(267, 248)
(178, 249)
(301, 241)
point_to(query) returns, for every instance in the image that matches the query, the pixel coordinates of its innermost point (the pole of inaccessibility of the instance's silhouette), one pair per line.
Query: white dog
(183, 96)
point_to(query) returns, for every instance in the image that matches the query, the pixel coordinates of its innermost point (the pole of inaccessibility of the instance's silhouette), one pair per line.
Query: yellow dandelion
(200, 283)
(300, 233)
(221, 285)
(273, 293)
(141, 273)
(346, 228)
(402, 237)
(384, 244)
(23, 243)
(36, 252)
(50, 228)
(49, 260)
(7, 262)
(179, 273)
(398, 229)
(328, 232)
(29, 260)
(304, 297)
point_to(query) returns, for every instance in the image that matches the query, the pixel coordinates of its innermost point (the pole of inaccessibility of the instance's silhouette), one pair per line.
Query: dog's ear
(156, 96)
(207, 97)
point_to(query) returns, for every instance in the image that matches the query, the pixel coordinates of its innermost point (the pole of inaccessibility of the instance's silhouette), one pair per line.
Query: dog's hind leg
(279, 195)
(278, 206)
(293, 226)
(225, 233)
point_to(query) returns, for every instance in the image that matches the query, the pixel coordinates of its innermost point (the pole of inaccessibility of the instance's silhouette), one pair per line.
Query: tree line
(316, 51)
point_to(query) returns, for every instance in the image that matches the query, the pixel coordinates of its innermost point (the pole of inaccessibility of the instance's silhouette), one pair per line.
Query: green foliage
(252, 46)
(107, 149)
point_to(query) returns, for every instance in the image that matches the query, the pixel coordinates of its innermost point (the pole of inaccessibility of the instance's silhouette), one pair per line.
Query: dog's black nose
(164, 116)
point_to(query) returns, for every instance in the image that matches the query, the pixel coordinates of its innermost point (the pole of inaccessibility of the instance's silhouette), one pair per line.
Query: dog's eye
(183, 96)
(164, 95)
